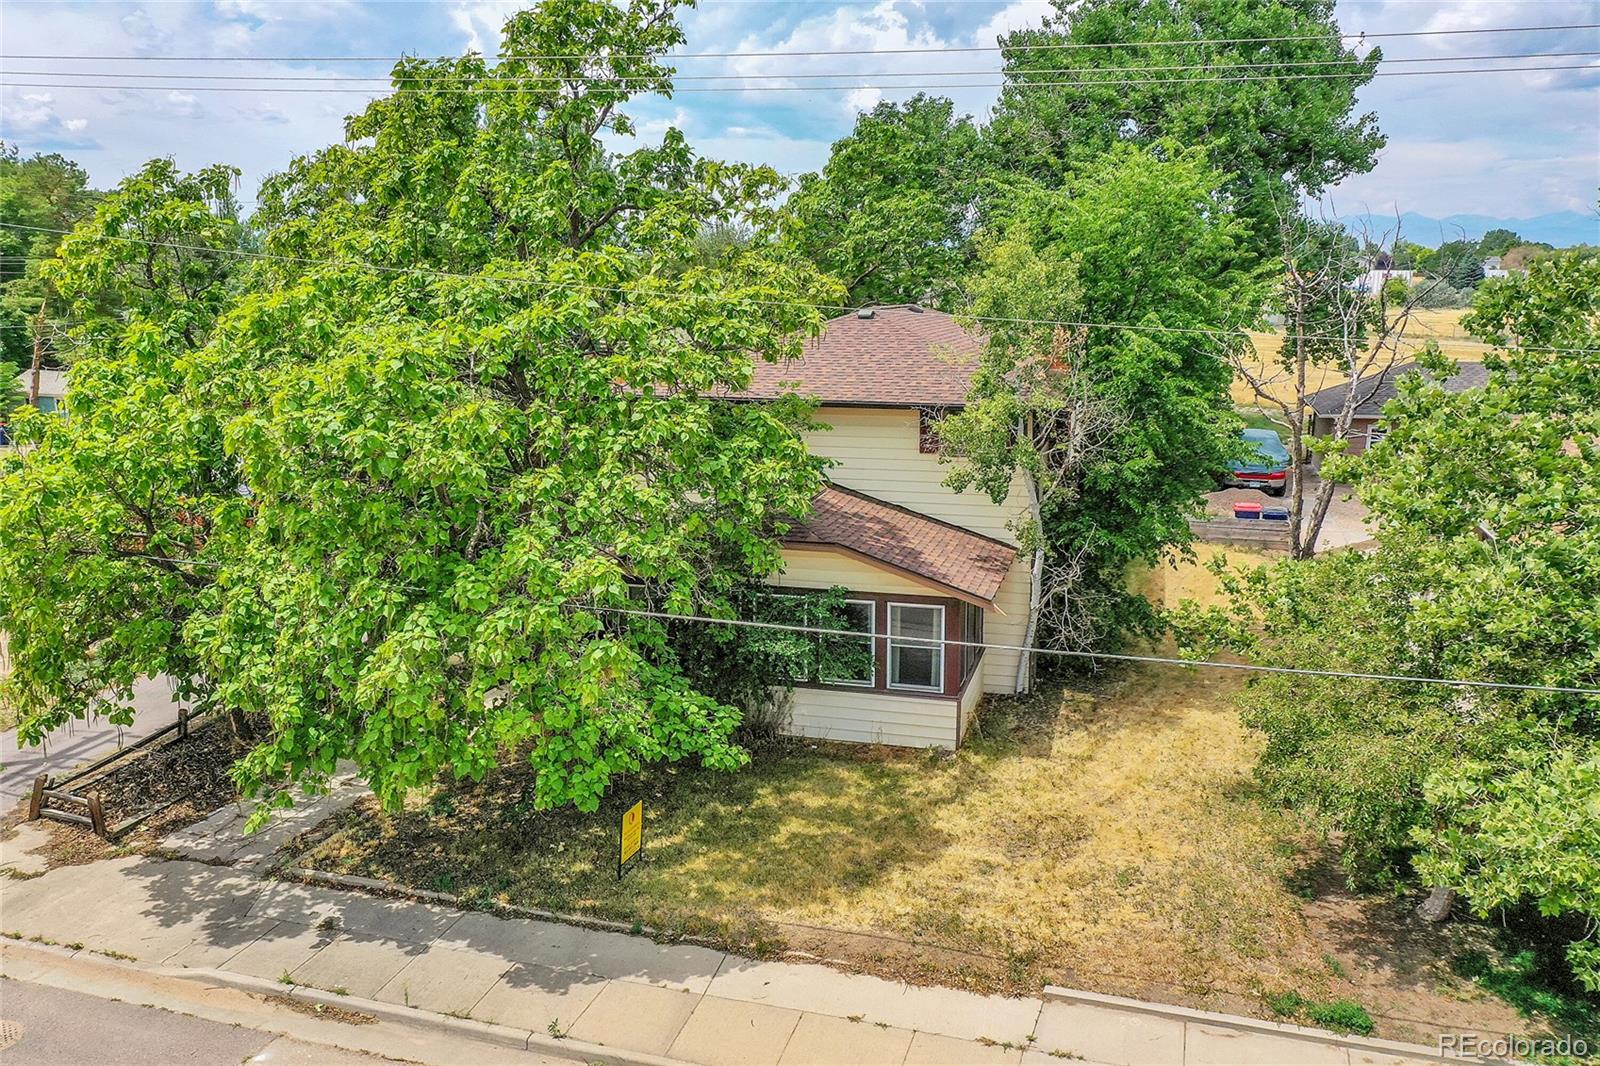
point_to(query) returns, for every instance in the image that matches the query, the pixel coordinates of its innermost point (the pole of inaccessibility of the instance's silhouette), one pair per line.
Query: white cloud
(480, 22)
(1019, 15)
(1514, 144)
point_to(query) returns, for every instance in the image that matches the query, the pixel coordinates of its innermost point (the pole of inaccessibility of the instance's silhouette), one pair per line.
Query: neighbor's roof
(51, 382)
(901, 356)
(966, 564)
(1382, 388)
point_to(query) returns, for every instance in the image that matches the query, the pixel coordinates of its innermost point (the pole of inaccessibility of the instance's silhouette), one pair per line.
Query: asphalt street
(55, 1027)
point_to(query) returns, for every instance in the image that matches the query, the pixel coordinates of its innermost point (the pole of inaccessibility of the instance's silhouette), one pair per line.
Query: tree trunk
(1436, 908)
(1025, 659)
(239, 723)
(38, 354)
(1298, 548)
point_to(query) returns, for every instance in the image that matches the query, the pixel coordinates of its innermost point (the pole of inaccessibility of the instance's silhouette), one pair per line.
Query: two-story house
(922, 562)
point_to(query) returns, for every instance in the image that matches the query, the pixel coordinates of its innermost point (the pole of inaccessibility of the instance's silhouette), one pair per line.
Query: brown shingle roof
(966, 563)
(1375, 390)
(903, 356)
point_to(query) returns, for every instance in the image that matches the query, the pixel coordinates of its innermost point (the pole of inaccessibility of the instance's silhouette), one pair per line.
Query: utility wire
(1106, 655)
(1020, 47)
(1009, 85)
(923, 642)
(588, 286)
(557, 79)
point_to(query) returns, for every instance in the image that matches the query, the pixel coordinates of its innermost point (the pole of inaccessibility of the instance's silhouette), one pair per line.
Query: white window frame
(1376, 431)
(871, 637)
(916, 642)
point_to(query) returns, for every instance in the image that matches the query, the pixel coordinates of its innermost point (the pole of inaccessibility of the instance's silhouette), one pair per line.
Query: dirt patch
(181, 780)
(323, 1010)
(1385, 956)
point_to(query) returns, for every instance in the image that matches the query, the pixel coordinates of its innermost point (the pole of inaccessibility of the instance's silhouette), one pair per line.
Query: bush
(1341, 1015)
(1433, 294)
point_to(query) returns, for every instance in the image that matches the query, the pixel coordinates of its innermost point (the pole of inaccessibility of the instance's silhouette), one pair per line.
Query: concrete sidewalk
(78, 742)
(627, 994)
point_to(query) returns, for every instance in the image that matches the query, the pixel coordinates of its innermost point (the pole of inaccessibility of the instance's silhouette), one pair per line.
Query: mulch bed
(192, 771)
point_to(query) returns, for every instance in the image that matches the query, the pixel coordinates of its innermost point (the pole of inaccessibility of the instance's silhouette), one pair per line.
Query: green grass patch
(1339, 1015)
(1256, 418)
(1538, 988)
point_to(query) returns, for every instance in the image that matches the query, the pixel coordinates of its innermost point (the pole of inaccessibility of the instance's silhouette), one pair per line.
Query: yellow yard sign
(632, 836)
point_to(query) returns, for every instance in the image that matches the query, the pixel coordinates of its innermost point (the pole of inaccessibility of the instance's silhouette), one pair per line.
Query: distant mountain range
(1560, 228)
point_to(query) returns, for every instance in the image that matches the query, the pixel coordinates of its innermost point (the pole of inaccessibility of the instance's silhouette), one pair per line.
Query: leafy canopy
(50, 193)
(99, 520)
(1142, 237)
(889, 214)
(1487, 504)
(1276, 136)
(470, 397)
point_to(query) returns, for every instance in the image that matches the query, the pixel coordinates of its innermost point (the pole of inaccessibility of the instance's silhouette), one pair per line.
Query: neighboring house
(919, 559)
(1494, 267)
(52, 394)
(1372, 392)
(52, 388)
(1373, 281)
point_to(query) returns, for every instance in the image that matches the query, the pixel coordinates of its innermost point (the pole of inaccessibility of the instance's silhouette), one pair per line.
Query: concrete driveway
(1345, 525)
(78, 742)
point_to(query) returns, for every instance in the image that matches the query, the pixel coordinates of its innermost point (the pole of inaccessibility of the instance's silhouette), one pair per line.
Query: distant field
(1443, 326)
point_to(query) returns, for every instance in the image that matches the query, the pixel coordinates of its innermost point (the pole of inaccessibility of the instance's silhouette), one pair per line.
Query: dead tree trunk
(38, 354)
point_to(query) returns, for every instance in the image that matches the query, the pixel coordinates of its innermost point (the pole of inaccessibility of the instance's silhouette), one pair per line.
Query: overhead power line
(1568, 690)
(745, 623)
(939, 50)
(1015, 85)
(837, 309)
(557, 79)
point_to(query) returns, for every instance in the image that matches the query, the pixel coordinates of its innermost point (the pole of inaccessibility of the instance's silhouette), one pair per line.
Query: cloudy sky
(1504, 144)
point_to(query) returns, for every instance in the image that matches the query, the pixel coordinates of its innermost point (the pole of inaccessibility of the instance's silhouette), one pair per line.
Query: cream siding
(1000, 667)
(872, 718)
(971, 696)
(875, 452)
(820, 568)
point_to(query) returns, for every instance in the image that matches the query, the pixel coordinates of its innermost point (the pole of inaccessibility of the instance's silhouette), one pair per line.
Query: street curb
(482, 1032)
(375, 887)
(1057, 994)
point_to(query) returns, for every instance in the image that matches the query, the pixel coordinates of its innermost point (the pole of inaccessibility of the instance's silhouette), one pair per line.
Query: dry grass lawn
(1443, 326)
(1103, 836)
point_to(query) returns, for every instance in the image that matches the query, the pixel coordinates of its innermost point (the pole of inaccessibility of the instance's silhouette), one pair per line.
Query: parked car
(1267, 469)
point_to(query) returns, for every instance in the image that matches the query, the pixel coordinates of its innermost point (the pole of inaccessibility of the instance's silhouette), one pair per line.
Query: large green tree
(890, 213)
(1487, 506)
(100, 520)
(1125, 429)
(1089, 78)
(40, 197)
(467, 398)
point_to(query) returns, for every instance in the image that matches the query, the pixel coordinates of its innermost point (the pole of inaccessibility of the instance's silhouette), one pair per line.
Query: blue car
(1267, 469)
